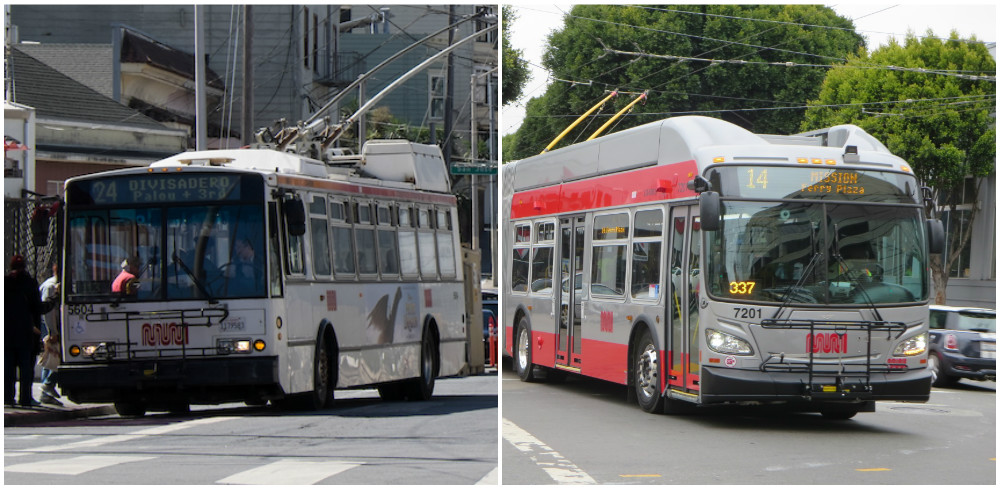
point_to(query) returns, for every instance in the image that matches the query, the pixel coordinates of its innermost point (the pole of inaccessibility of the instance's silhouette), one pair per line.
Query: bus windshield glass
(163, 245)
(813, 182)
(818, 253)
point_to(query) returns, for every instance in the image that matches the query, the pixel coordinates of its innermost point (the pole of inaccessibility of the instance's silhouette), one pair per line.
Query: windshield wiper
(852, 274)
(805, 272)
(194, 278)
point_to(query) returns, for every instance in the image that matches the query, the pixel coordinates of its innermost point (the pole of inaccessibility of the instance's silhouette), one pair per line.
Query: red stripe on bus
(604, 360)
(653, 184)
(356, 189)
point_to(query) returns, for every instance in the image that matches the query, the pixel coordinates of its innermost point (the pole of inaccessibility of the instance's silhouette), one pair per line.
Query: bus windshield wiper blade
(201, 287)
(852, 274)
(805, 273)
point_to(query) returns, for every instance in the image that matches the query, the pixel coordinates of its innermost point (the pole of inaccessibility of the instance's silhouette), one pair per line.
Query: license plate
(987, 354)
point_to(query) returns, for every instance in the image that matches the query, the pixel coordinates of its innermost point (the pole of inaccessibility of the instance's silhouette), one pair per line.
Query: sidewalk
(23, 416)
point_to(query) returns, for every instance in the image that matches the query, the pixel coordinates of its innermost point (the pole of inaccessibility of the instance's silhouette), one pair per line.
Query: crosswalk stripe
(289, 472)
(490, 479)
(559, 468)
(73, 466)
(113, 439)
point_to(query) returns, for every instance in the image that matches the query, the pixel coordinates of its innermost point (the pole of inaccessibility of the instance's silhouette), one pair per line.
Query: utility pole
(247, 128)
(449, 93)
(201, 119)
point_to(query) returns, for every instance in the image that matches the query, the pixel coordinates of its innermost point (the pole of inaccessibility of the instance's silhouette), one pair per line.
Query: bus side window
(274, 249)
(445, 244)
(319, 231)
(520, 258)
(425, 245)
(408, 261)
(388, 261)
(295, 258)
(364, 233)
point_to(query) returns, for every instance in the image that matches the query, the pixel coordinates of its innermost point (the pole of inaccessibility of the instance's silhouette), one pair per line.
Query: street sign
(473, 169)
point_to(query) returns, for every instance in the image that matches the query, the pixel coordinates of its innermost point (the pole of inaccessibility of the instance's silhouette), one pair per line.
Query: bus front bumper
(719, 385)
(207, 380)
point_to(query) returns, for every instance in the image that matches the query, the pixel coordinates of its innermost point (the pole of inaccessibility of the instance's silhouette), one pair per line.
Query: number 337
(741, 288)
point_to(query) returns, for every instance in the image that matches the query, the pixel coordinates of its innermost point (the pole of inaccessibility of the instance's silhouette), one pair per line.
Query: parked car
(963, 344)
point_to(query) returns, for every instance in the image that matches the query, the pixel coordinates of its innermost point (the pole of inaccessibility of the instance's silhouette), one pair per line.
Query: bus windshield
(818, 253)
(161, 251)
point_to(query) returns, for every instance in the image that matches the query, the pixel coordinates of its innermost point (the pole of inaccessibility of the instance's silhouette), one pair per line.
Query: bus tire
(422, 388)
(839, 413)
(130, 409)
(646, 374)
(324, 381)
(522, 352)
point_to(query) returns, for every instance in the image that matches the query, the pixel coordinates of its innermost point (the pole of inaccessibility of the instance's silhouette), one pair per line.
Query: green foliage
(944, 126)
(578, 52)
(515, 68)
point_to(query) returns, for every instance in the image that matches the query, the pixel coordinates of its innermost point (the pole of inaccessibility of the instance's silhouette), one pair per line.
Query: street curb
(27, 418)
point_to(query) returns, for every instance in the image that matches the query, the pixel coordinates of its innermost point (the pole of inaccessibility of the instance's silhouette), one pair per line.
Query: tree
(608, 47)
(941, 120)
(515, 67)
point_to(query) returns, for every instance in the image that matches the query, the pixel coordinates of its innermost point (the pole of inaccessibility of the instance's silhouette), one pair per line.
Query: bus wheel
(839, 412)
(130, 409)
(322, 393)
(647, 373)
(522, 352)
(422, 388)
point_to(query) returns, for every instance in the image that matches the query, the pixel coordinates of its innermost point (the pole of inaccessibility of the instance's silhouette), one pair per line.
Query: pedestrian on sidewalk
(22, 330)
(50, 358)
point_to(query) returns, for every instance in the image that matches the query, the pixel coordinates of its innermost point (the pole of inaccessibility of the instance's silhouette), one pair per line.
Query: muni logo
(826, 343)
(163, 334)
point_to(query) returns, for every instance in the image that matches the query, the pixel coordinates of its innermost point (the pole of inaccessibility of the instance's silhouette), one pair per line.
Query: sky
(876, 22)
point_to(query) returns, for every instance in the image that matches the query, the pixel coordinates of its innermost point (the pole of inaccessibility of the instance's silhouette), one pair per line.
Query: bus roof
(419, 165)
(689, 138)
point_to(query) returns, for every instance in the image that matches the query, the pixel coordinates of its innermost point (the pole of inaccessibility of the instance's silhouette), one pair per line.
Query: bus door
(683, 300)
(571, 237)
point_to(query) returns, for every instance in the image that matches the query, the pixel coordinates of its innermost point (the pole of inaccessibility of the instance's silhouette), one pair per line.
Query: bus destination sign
(813, 183)
(151, 188)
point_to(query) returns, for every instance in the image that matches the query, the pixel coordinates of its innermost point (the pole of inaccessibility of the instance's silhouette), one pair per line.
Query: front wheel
(647, 373)
(522, 352)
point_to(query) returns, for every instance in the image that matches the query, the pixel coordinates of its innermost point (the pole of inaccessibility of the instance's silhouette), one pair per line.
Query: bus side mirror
(935, 236)
(295, 216)
(709, 208)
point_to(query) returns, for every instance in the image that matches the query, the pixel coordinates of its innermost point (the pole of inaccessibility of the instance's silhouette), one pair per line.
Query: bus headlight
(912, 346)
(98, 351)
(226, 346)
(726, 343)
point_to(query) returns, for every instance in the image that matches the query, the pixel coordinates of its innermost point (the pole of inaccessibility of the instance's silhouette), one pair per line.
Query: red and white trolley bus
(255, 275)
(699, 263)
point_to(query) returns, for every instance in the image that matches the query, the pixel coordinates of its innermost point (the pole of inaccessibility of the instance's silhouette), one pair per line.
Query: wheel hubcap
(646, 372)
(522, 349)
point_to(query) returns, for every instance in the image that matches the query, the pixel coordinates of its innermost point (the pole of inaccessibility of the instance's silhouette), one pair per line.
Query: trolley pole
(201, 119)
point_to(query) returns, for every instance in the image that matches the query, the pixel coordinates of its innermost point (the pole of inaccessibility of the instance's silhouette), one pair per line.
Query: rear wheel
(422, 388)
(130, 409)
(646, 380)
(522, 352)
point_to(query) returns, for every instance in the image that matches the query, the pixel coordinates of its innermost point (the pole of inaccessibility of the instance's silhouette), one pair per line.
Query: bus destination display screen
(152, 188)
(775, 182)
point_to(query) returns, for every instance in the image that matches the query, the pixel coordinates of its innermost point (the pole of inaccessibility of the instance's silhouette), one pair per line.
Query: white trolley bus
(258, 275)
(699, 263)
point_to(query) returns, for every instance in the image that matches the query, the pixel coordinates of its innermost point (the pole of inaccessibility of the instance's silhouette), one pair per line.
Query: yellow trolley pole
(619, 114)
(578, 120)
